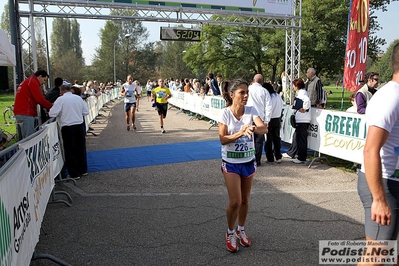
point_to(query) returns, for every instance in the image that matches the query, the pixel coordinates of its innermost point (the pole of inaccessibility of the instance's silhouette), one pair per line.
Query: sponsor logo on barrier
(205, 106)
(40, 184)
(56, 151)
(218, 103)
(314, 129)
(347, 126)
(38, 157)
(5, 236)
(357, 251)
(344, 132)
(22, 219)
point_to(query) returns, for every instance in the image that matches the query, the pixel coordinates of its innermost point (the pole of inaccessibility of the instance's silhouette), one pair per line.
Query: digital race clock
(180, 34)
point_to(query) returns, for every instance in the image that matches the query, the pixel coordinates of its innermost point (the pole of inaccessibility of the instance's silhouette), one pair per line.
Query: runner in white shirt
(129, 90)
(148, 88)
(139, 91)
(236, 129)
(378, 180)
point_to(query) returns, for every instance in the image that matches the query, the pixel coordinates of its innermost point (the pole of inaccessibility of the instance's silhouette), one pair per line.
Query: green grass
(7, 100)
(334, 99)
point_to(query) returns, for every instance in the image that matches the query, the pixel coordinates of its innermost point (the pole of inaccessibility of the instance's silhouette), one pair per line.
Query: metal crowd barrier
(11, 154)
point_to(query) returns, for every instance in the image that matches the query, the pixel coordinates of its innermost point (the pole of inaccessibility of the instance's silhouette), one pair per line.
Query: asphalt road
(174, 214)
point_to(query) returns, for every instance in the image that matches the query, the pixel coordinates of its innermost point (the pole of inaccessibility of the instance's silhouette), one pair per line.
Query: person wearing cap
(28, 96)
(70, 110)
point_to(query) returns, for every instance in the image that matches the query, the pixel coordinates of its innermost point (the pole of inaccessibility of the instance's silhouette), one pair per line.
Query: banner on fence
(25, 188)
(338, 134)
(26, 183)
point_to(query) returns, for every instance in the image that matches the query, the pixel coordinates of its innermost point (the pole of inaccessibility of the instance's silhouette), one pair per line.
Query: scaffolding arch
(155, 11)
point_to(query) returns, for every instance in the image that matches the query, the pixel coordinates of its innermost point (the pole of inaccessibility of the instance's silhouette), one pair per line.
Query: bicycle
(9, 116)
(7, 133)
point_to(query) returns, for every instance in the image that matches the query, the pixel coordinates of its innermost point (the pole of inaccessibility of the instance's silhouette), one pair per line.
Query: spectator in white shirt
(70, 110)
(259, 98)
(273, 141)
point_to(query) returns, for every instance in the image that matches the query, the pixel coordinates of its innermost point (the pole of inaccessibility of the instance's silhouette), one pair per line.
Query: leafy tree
(5, 20)
(70, 70)
(76, 42)
(172, 60)
(117, 46)
(5, 25)
(383, 65)
(374, 25)
(374, 62)
(60, 38)
(238, 51)
(41, 52)
(324, 32)
(324, 29)
(144, 63)
(66, 51)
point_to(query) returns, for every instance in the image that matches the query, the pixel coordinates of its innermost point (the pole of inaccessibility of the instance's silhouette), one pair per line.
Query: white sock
(240, 228)
(230, 231)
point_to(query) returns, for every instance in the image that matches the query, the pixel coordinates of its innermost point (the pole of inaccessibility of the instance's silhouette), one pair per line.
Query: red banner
(356, 44)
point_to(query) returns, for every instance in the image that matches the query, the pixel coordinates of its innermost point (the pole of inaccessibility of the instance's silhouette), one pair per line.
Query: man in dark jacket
(55, 92)
(314, 87)
(51, 96)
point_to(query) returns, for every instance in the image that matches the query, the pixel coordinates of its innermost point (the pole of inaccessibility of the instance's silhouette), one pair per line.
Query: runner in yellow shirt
(160, 95)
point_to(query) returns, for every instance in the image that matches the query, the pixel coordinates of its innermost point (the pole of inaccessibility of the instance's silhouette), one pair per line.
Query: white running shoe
(297, 161)
(285, 155)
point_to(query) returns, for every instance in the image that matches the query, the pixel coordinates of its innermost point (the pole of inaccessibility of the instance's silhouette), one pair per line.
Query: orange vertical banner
(356, 44)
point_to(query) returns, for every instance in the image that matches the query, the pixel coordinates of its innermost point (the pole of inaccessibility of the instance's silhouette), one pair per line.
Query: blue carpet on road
(107, 160)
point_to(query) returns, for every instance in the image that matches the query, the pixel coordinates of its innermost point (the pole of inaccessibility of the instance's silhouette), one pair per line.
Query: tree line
(226, 50)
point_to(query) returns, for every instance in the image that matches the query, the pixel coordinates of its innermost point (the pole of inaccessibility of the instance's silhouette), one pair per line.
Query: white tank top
(130, 96)
(242, 150)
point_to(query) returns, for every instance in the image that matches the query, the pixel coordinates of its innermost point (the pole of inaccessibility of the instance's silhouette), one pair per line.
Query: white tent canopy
(7, 51)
